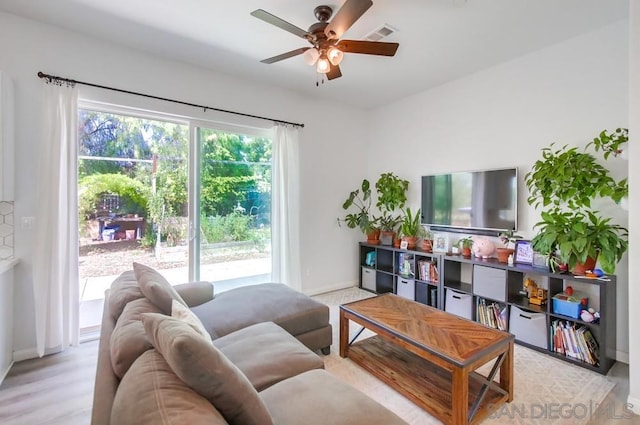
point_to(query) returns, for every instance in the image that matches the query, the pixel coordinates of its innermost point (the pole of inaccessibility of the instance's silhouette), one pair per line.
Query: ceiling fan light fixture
(335, 56)
(323, 65)
(311, 56)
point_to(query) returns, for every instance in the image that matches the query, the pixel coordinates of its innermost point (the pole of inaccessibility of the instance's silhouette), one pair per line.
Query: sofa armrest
(195, 293)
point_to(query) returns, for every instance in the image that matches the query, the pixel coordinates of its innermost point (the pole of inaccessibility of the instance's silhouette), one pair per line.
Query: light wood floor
(58, 390)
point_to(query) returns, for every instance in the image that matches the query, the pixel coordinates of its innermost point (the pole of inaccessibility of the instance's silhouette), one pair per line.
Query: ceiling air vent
(381, 32)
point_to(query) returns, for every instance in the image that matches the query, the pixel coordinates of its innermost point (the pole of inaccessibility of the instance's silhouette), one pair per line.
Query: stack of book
(575, 342)
(428, 271)
(492, 314)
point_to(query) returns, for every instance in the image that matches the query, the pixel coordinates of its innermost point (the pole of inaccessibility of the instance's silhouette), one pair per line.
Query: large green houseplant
(563, 183)
(392, 194)
(360, 200)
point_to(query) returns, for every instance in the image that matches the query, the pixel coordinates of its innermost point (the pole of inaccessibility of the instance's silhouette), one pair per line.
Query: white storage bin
(369, 279)
(489, 282)
(529, 327)
(458, 303)
(406, 288)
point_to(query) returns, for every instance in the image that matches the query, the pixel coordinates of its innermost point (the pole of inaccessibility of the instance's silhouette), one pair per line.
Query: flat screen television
(474, 200)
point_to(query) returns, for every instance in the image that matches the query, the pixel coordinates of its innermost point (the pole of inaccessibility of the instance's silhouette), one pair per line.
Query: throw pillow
(151, 394)
(206, 370)
(156, 288)
(129, 339)
(124, 288)
(185, 314)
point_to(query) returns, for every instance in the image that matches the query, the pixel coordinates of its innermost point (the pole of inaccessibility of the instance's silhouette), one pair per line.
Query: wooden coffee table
(431, 356)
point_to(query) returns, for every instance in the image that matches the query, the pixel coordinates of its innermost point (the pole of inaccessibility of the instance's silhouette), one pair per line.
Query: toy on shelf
(590, 316)
(537, 296)
(482, 247)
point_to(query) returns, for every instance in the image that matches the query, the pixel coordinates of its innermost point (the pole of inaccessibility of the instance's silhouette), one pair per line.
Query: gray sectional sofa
(177, 355)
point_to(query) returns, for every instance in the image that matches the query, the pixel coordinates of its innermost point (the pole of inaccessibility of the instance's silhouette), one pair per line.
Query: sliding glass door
(231, 207)
(190, 200)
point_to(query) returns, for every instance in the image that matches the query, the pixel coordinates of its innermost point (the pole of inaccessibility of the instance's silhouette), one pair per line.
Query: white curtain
(285, 211)
(55, 262)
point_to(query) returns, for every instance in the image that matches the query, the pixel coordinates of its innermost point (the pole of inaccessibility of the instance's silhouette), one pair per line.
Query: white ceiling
(440, 40)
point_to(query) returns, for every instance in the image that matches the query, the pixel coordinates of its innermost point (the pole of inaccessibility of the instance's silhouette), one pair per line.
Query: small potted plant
(465, 245)
(360, 200)
(508, 239)
(411, 229)
(392, 194)
(427, 241)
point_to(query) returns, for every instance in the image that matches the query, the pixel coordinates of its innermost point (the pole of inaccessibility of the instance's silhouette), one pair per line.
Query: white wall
(330, 157)
(503, 116)
(634, 201)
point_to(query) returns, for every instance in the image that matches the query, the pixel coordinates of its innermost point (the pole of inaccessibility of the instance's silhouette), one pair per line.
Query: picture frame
(440, 242)
(404, 244)
(540, 260)
(524, 252)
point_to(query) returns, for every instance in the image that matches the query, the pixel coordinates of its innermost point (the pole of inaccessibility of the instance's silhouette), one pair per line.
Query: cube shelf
(466, 286)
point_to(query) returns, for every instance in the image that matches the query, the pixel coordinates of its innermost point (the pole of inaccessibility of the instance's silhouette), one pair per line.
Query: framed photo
(540, 260)
(440, 242)
(524, 252)
(404, 244)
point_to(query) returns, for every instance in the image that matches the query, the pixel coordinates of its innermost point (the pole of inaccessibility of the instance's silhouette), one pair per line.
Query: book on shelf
(492, 314)
(428, 271)
(574, 341)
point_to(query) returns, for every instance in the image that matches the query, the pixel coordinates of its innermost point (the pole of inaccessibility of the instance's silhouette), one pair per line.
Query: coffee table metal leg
(486, 385)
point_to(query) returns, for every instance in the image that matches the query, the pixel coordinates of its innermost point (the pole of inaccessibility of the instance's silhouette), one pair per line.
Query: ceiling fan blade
(287, 55)
(280, 23)
(334, 72)
(350, 12)
(368, 47)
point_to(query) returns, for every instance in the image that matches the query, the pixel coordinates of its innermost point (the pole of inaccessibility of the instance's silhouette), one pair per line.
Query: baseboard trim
(6, 372)
(336, 287)
(633, 404)
(623, 357)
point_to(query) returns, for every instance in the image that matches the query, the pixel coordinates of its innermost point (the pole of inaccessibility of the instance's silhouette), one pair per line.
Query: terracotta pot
(374, 237)
(412, 241)
(427, 245)
(466, 252)
(503, 254)
(581, 268)
(396, 243)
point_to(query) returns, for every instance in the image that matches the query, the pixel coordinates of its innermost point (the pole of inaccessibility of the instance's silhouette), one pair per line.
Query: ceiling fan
(324, 36)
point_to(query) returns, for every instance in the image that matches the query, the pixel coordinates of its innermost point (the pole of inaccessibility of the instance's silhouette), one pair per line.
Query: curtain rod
(70, 81)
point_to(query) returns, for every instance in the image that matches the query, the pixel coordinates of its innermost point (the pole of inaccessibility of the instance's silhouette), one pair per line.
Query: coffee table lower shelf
(424, 383)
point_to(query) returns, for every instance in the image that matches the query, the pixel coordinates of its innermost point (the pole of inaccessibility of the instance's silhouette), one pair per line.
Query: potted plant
(465, 245)
(427, 241)
(411, 229)
(508, 239)
(564, 182)
(360, 200)
(392, 194)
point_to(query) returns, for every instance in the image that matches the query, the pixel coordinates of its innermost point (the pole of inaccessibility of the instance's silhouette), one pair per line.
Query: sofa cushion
(156, 288)
(123, 289)
(183, 313)
(206, 370)
(129, 340)
(267, 354)
(292, 310)
(317, 398)
(150, 394)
